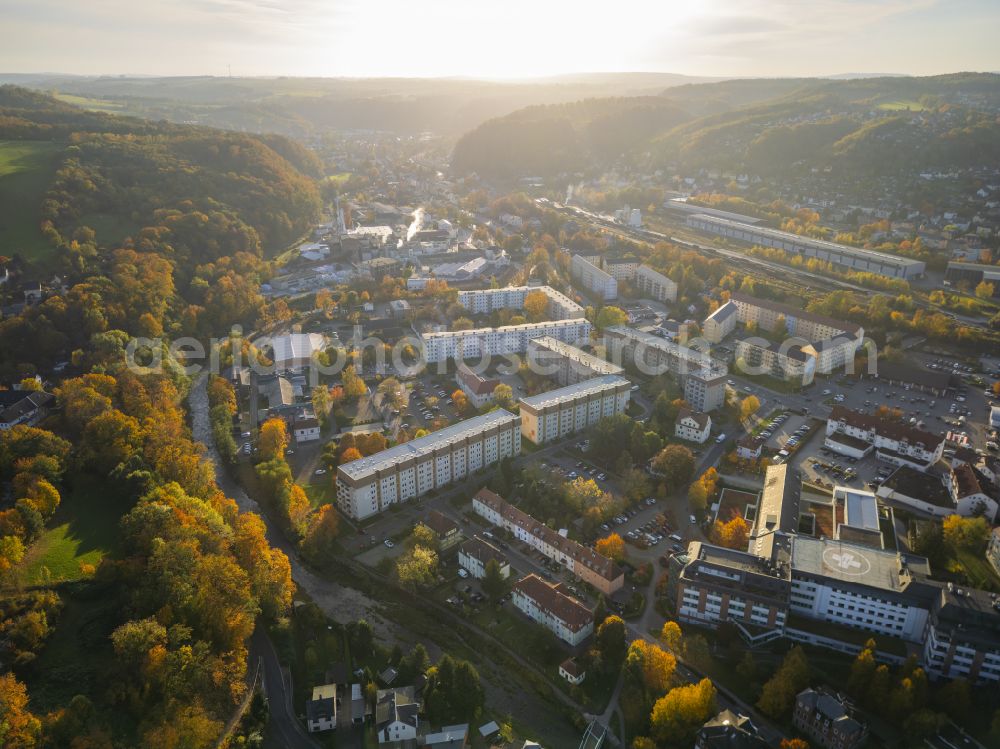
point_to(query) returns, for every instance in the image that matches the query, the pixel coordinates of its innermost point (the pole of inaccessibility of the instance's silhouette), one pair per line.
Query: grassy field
(900, 105)
(97, 105)
(26, 169)
(83, 531)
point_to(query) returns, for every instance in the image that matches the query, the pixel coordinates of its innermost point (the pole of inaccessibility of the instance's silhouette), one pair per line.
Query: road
(284, 731)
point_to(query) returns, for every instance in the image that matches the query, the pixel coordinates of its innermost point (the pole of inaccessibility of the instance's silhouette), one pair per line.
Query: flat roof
(848, 562)
(425, 445)
(570, 351)
(507, 328)
(585, 387)
(800, 314)
(882, 257)
(662, 344)
(860, 508)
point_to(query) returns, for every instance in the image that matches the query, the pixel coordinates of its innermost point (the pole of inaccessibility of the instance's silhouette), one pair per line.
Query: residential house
(306, 429)
(449, 737)
(572, 671)
(828, 720)
(476, 553)
(27, 407)
(445, 529)
(749, 447)
(729, 730)
(478, 389)
(720, 323)
(396, 718)
(692, 426)
(321, 710)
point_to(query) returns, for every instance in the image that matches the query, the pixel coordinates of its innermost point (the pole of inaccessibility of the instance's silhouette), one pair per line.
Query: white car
(320, 471)
(388, 544)
(693, 519)
(462, 573)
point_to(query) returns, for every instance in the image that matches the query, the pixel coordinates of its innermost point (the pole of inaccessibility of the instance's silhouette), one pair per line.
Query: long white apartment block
(565, 362)
(573, 408)
(593, 278)
(508, 339)
(400, 473)
(484, 301)
(655, 285)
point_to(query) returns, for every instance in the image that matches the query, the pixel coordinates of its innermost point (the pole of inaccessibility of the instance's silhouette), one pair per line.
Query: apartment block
(655, 285)
(370, 485)
(573, 408)
(702, 377)
(834, 342)
(566, 363)
(509, 339)
(593, 279)
(793, 362)
(621, 270)
(549, 605)
(581, 560)
(484, 301)
(720, 323)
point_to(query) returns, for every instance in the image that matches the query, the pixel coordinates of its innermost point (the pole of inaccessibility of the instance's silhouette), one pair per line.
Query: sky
(498, 38)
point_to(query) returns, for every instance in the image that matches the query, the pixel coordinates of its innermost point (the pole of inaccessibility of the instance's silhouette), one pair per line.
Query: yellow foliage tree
(611, 546)
(681, 711)
(273, 439)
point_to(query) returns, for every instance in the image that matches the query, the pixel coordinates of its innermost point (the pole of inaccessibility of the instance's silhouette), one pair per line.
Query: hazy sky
(498, 38)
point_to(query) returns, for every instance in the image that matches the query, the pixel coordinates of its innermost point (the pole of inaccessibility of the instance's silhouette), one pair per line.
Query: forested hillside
(768, 127)
(559, 138)
(129, 583)
(116, 175)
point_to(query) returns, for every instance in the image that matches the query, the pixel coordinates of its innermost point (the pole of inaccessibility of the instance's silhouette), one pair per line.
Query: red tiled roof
(477, 384)
(553, 601)
(580, 554)
(886, 427)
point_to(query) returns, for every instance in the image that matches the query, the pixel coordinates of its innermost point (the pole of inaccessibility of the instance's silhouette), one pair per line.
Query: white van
(721, 438)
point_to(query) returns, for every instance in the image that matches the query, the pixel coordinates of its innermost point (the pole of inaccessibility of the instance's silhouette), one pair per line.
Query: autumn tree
(671, 635)
(778, 693)
(794, 744)
(536, 304)
(273, 439)
(503, 396)
(611, 546)
(321, 532)
(354, 386)
(676, 464)
(650, 666)
(19, 728)
(460, 401)
(611, 643)
(749, 406)
(609, 317)
(678, 714)
(966, 534)
(417, 567)
(350, 454)
(733, 534)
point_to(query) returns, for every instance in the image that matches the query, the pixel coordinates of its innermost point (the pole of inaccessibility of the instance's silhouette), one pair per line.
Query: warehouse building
(841, 256)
